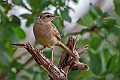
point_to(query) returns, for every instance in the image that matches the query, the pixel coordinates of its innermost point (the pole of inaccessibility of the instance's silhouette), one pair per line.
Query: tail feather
(66, 49)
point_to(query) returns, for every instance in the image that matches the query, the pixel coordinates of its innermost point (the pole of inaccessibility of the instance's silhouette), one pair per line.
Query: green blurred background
(94, 22)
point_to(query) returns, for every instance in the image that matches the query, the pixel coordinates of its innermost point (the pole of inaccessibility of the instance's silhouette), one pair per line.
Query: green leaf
(1, 1)
(33, 69)
(2, 47)
(98, 22)
(91, 78)
(18, 2)
(95, 41)
(95, 63)
(37, 9)
(83, 31)
(107, 55)
(11, 49)
(13, 36)
(30, 69)
(117, 7)
(4, 19)
(119, 61)
(96, 14)
(116, 31)
(11, 75)
(75, 1)
(111, 39)
(58, 22)
(4, 58)
(15, 21)
(36, 69)
(61, 2)
(110, 77)
(34, 3)
(96, 10)
(86, 21)
(29, 18)
(118, 22)
(15, 64)
(26, 16)
(73, 75)
(24, 77)
(37, 76)
(65, 15)
(104, 32)
(45, 4)
(112, 62)
(2, 8)
(29, 21)
(109, 23)
(48, 54)
(19, 32)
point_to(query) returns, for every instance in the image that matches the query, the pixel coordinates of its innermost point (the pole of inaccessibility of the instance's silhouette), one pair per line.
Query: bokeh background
(93, 22)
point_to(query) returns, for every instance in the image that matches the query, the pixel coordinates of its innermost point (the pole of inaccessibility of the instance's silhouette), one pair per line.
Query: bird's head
(47, 17)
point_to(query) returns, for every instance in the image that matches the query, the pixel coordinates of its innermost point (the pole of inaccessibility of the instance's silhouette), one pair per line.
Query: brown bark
(66, 63)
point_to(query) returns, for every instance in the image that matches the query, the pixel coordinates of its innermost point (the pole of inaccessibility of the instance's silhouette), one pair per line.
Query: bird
(46, 33)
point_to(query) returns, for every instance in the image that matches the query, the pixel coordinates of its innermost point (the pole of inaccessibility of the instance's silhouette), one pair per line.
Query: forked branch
(66, 63)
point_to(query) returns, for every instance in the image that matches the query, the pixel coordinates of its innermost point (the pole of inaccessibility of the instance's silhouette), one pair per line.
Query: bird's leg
(42, 48)
(51, 61)
(52, 54)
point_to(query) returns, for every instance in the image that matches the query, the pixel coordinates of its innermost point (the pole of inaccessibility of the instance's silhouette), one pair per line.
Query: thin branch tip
(87, 46)
(18, 44)
(86, 67)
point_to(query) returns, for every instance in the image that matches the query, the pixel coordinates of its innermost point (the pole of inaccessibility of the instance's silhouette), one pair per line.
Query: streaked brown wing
(56, 33)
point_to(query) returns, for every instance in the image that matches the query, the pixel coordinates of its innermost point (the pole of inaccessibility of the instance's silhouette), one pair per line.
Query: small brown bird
(47, 34)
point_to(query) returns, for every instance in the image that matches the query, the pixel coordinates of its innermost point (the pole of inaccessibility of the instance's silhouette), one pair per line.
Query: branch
(44, 62)
(66, 64)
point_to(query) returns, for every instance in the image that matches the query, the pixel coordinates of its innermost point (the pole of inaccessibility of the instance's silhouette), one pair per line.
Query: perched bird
(46, 33)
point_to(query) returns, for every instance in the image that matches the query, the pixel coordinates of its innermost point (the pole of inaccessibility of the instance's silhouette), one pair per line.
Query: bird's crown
(47, 16)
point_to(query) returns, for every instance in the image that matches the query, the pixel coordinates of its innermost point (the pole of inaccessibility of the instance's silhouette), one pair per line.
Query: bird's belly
(47, 42)
(45, 38)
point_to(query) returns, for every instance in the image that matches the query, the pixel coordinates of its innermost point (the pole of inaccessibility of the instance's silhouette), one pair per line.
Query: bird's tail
(66, 49)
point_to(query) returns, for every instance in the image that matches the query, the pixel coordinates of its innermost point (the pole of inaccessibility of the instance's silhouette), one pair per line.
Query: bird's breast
(44, 34)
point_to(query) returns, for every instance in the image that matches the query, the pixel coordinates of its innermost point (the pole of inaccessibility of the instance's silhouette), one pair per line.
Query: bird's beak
(56, 16)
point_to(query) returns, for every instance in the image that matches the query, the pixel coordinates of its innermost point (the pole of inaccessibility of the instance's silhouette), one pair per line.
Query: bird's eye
(48, 16)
